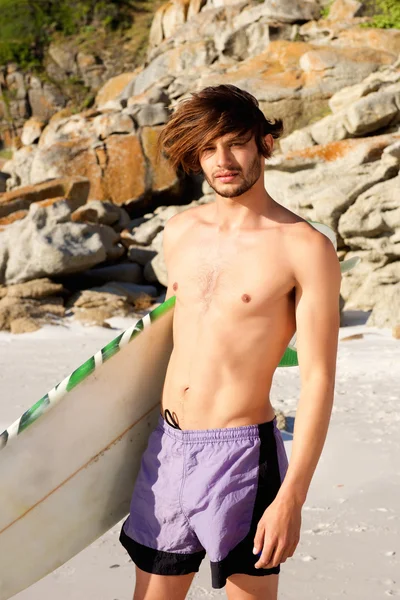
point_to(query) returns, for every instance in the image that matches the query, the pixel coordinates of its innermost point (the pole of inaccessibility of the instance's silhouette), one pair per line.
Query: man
(247, 273)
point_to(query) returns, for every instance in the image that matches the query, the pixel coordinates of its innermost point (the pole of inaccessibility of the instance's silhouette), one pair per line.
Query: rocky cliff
(333, 80)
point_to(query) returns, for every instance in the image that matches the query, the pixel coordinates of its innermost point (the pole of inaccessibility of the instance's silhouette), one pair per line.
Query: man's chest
(245, 276)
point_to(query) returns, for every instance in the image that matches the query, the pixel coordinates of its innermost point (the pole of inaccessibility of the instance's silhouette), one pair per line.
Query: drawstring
(169, 416)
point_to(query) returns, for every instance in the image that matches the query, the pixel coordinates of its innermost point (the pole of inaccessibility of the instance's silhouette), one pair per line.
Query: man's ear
(269, 141)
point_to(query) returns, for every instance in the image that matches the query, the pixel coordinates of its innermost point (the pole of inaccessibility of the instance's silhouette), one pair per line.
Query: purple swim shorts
(201, 491)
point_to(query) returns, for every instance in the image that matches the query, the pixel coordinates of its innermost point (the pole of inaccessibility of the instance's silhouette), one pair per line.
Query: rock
(106, 124)
(152, 114)
(113, 88)
(141, 255)
(31, 131)
(15, 216)
(146, 232)
(71, 128)
(89, 299)
(45, 243)
(297, 140)
(374, 112)
(155, 270)
(113, 299)
(103, 212)
(386, 310)
(124, 179)
(24, 311)
(74, 190)
(163, 175)
(173, 16)
(3, 181)
(35, 289)
(322, 182)
(24, 325)
(195, 7)
(125, 272)
(393, 150)
(64, 56)
(340, 10)
(19, 168)
(373, 38)
(156, 34)
(133, 292)
(174, 61)
(155, 95)
(110, 240)
(68, 159)
(45, 99)
(285, 11)
(373, 221)
(370, 287)
(329, 129)
(95, 317)
(347, 96)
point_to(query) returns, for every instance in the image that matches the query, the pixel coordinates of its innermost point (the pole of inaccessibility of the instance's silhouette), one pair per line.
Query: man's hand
(278, 533)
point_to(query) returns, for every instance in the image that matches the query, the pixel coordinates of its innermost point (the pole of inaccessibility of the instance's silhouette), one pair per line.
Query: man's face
(232, 164)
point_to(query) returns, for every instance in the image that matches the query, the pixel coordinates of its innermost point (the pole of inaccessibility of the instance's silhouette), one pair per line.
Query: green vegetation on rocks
(27, 26)
(325, 10)
(385, 14)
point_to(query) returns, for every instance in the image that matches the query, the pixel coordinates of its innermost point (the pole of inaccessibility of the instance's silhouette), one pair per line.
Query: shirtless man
(246, 273)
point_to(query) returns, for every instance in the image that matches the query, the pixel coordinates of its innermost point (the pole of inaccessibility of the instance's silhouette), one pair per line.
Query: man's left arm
(317, 273)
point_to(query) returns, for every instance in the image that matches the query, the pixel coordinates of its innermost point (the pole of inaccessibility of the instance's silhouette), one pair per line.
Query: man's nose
(223, 155)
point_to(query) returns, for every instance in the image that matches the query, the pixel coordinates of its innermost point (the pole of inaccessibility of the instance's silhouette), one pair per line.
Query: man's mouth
(226, 176)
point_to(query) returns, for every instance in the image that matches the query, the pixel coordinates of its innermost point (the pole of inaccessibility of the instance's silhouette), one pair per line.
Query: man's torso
(234, 316)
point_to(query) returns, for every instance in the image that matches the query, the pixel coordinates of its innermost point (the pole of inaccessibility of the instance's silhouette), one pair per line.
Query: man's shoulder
(180, 223)
(309, 251)
(298, 230)
(187, 216)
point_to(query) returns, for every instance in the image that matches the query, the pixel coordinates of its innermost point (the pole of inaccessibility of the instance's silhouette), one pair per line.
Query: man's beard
(247, 183)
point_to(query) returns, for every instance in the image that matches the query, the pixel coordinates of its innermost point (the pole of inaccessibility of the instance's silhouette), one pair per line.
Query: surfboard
(69, 463)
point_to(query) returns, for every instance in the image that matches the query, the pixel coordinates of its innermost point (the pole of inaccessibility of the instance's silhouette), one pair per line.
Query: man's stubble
(234, 190)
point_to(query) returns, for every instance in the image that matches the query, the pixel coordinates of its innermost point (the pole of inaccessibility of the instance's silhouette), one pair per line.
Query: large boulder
(74, 190)
(46, 243)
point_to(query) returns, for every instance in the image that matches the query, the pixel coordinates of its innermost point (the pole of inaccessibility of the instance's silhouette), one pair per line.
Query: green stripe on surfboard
(33, 413)
(289, 359)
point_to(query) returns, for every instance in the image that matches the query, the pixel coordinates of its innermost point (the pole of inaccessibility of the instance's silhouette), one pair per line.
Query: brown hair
(208, 115)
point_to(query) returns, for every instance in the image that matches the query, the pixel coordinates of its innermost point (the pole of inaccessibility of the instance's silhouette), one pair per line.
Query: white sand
(350, 542)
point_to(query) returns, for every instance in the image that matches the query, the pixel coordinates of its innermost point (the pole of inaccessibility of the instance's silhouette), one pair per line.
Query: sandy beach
(350, 537)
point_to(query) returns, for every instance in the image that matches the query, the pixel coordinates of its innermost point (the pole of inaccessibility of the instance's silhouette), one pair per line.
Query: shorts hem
(219, 574)
(159, 562)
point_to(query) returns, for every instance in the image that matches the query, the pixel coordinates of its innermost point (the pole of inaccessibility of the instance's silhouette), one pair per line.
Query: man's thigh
(249, 587)
(161, 587)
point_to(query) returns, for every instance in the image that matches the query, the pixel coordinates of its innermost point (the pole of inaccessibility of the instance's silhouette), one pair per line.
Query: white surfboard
(67, 477)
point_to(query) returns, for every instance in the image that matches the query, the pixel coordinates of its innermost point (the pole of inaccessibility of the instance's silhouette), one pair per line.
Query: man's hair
(208, 115)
